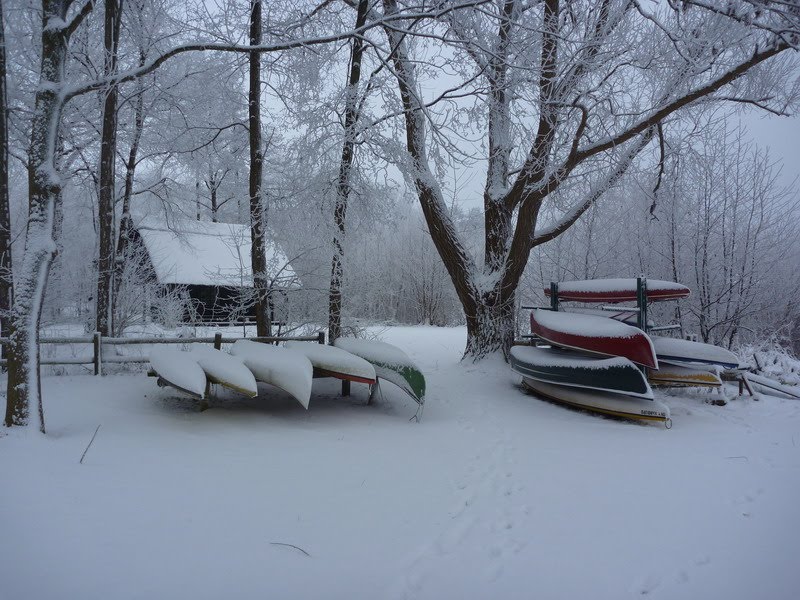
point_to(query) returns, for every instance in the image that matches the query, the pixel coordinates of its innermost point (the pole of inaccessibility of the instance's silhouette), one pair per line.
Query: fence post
(218, 341)
(97, 342)
(321, 336)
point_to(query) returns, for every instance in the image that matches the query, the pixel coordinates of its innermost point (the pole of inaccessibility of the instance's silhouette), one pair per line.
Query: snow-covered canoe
(677, 375)
(180, 370)
(329, 361)
(601, 402)
(225, 370)
(281, 367)
(688, 353)
(390, 363)
(617, 290)
(563, 368)
(594, 334)
(625, 315)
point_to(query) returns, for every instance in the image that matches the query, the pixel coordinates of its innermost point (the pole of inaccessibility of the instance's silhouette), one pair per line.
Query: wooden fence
(98, 342)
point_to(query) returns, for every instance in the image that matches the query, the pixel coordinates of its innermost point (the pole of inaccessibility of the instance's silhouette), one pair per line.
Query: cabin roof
(190, 252)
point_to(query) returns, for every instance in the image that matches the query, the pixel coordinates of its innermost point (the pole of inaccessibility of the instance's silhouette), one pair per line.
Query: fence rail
(98, 342)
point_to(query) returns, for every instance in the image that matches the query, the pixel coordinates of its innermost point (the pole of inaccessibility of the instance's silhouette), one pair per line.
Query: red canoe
(597, 335)
(617, 290)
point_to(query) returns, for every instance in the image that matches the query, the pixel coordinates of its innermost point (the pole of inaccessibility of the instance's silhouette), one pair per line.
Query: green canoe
(390, 363)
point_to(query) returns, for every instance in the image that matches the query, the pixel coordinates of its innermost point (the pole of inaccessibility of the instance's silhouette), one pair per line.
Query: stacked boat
(597, 360)
(291, 367)
(591, 362)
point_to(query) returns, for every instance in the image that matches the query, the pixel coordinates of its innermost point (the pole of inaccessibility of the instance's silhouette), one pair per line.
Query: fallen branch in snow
(89, 445)
(291, 546)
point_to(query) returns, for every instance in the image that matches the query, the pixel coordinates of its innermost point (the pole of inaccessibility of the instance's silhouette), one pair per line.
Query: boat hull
(595, 334)
(282, 368)
(692, 354)
(617, 290)
(390, 363)
(680, 376)
(604, 403)
(223, 369)
(329, 361)
(617, 375)
(177, 369)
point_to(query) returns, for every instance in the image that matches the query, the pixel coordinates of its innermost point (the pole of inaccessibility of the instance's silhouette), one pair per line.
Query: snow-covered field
(495, 494)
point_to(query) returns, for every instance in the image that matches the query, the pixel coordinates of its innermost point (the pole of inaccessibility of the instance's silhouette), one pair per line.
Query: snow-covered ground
(495, 494)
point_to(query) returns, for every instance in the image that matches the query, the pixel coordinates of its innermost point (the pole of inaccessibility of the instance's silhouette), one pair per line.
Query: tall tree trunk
(126, 221)
(6, 274)
(44, 194)
(108, 153)
(343, 185)
(258, 212)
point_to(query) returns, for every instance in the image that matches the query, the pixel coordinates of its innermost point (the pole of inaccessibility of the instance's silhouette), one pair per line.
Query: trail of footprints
(487, 487)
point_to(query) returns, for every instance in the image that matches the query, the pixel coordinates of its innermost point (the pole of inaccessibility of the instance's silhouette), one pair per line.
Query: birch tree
(595, 79)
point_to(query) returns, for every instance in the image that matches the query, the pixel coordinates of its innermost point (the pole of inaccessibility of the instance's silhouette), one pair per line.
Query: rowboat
(679, 376)
(563, 368)
(595, 334)
(223, 369)
(390, 364)
(688, 353)
(283, 368)
(179, 370)
(606, 403)
(329, 361)
(617, 290)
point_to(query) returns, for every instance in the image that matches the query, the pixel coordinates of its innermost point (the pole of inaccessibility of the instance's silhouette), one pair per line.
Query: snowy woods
(417, 162)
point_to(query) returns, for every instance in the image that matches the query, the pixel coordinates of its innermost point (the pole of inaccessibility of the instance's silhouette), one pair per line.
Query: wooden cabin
(209, 265)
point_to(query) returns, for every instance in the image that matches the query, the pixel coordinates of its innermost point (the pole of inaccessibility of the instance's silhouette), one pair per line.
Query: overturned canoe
(689, 353)
(563, 368)
(595, 334)
(617, 290)
(283, 368)
(178, 369)
(390, 363)
(606, 403)
(329, 361)
(223, 369)
(679, 376)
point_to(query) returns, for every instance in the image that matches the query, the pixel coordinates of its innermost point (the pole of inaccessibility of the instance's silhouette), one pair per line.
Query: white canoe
(601, 402)
(687, 353)
(329, 361)
(180, 370)
(678, 375)
(281, 367)
(226, 370)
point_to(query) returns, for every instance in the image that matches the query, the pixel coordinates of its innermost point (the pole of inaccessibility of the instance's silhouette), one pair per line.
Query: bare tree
(587, 129)
(258, 208)
(343, 182)
(108, 156)
(6, 275)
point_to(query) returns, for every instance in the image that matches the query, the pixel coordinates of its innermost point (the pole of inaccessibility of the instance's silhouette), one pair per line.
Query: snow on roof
(204, 253)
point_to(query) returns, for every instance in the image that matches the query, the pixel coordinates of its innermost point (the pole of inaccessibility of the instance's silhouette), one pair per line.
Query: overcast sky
(782, 136)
